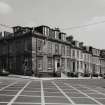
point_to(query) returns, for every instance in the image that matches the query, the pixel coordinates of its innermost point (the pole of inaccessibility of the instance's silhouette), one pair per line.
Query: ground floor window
(77, 65)
(39, 64)
(68, 63)
(73, 66)
(81, 64)
(63, 63)
(49, 63)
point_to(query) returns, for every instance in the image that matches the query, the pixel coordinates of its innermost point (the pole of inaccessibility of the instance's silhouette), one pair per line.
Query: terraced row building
(43, 51)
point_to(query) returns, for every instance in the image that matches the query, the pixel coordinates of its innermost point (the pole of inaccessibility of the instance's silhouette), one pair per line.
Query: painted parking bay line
(20, 91)
(8, 85)
(69, 99)
(93, 90)
(42, 93)
(84, 94)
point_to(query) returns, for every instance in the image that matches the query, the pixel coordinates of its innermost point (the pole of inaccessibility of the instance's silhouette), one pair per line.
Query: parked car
(3, 72)
(86, 75)
(94, 75)
(72, 74)
(103, 76)
(28, 72)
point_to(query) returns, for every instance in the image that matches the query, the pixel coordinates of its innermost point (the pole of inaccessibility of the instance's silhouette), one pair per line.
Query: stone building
(43, 51)
(102, 62)
(95, 60)
(16, 50)
(87, 60)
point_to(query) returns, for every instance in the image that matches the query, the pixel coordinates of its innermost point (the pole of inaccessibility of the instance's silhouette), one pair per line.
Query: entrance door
(73, 66)
(57, 64)
(85, 69)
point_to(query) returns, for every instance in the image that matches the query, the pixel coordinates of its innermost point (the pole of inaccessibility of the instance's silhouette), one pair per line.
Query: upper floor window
(81, 55)
(68, 51)
(27, 42)
(49, 47)
(73, 53)
(57, 34)
(39, 44)
(85, 56)
(60, 36)
(77, 65)
(81, 64)
(78, 53)
(57, 48)
(63, 50)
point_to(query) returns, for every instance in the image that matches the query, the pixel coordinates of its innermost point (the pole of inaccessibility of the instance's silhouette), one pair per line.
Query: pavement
(63, 77)
(21, 91)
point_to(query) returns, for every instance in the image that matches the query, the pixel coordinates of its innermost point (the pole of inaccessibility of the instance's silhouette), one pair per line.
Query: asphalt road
(17, 91)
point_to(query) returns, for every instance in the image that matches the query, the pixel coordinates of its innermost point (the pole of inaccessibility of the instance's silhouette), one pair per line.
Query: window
(68, 63)
(77, 53)
(46, 31)
(81, 55)
(68, 51)
(27, 46)
(57, 48)
(39, 44)
(60, 37)
(88, 57)
(63, 50)
(33, 44)
(73, 53)
(81, 64)
(63, 63)
(49, 47)
(85, 57)
(39, 63)
(77, 65)
(57, 34)
(49, 63)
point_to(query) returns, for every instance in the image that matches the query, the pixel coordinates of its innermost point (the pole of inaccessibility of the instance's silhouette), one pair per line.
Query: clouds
(59, 13)
(5, 8)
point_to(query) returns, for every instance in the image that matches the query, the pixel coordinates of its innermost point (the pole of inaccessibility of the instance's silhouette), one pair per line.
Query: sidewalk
(47, 78)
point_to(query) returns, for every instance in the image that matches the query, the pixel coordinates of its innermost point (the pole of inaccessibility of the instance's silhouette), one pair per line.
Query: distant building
(43, 51)
(87, 59)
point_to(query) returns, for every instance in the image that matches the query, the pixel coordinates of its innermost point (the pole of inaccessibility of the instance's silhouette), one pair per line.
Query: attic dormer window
(60, 37)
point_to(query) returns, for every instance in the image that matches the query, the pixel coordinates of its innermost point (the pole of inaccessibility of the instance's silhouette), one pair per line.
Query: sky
(64, 14)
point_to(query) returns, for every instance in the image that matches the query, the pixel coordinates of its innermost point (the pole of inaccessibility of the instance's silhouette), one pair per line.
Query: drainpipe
(36, 59)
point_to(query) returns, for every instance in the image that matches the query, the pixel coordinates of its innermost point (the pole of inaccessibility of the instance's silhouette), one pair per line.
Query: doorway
(57, 64)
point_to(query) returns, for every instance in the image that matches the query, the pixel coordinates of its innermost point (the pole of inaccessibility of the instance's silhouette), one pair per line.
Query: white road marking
(69, 99)
(93, 90)
(11, 90)
(84, 94)
(39, 103)
(4, 102)
(8, 85)
(14, 98)
(26, 103)
(30, 91)
(6, 95)
(42, 94)
(30, 95)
